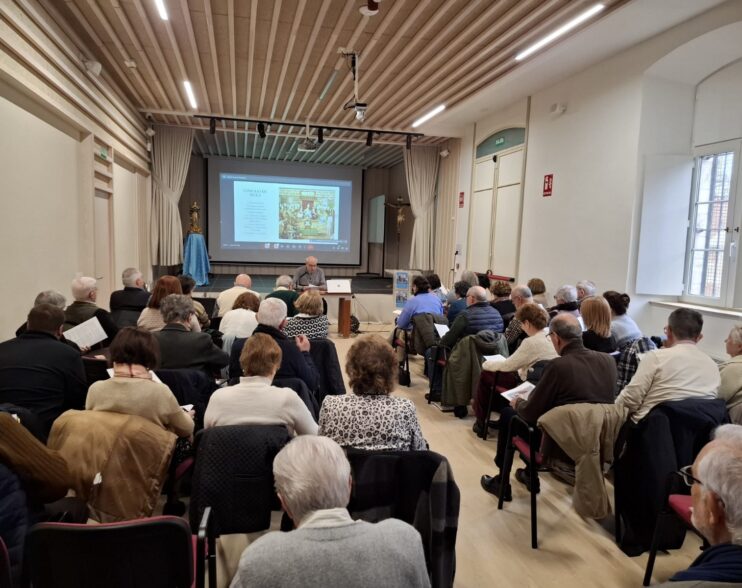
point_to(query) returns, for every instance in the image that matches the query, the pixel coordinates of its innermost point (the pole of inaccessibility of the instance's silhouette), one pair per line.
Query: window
(713, 233)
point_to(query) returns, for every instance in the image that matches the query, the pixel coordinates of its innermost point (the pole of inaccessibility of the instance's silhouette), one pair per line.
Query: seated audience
(501, 298)
(309, 319)
(225, 300)
(623, 326)
(133, 297)
(566, 302)
(458, 303)
(577, 375)
(731, 375)
(85, 293)
(254, 401)
(514, 332)
(55, 299)
(131, 390)
(151, 318)
(536, 347)
(241, 321)
(181, 347)
(715, 479)
(585, 288)
(188, 285)
(370, 418)
(596, 316)
(422, 301)
(328, 549)
(437, 288)
(296, 362)
(538, 291)
(284, 290)
(478, 316)
(470, 277)
(40, 373)
(677, 371)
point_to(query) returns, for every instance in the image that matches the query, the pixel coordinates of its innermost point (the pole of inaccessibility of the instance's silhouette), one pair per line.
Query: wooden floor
(493, 547)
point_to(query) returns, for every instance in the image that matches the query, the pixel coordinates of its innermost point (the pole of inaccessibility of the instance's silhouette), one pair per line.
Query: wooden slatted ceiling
(271, 59)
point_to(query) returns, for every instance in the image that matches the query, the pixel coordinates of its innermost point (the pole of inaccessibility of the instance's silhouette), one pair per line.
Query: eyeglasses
(687, 475)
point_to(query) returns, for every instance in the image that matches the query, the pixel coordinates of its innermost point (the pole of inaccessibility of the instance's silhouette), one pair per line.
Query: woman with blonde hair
(596, 314)
(309, 319)
(370, 418)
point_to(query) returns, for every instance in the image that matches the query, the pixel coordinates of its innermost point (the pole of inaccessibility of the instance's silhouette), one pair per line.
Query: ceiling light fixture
(212, 126)
(261, 130)
(190, 94)
(371, 8)
(564, 29)
(161, 9)
(426, 117)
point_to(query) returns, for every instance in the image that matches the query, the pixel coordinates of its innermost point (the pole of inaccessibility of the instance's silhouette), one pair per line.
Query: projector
(360, 108)
(307, 145)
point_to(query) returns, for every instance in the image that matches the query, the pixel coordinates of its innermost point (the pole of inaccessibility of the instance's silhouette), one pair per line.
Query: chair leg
(532, 469)
(212, 561)
(653, 549)
(505, 473)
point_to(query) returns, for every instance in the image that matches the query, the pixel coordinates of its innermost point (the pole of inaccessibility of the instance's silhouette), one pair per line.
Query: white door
(102, 244)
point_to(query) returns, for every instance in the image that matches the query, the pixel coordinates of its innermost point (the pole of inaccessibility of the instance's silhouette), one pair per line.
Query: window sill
(730, 313)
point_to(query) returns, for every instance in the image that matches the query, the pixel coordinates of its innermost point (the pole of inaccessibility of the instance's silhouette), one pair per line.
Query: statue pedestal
(196, 259)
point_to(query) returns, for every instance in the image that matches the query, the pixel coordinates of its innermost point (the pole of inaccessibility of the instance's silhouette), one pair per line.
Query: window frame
(730, 255)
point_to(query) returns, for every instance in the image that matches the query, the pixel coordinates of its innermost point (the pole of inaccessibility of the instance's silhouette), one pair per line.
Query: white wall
(719, 106)
(126, 222)
(38, 223)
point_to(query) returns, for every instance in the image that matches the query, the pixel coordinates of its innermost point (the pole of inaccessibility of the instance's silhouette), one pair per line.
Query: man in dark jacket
(40, 373)
(478, 316)
(133, 297)
(296, 362)
(716, 488)
(577, 375)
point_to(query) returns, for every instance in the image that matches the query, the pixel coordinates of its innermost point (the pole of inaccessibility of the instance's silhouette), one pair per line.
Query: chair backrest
(155, 552)
(302, 390)
(627, 360)
(27, 418)
(95, 370)
(125, 317)
(234, 476)
(190, 386)
(424, 334)
(15, 523)
(414, 486)
(209, 304)
(325, 358)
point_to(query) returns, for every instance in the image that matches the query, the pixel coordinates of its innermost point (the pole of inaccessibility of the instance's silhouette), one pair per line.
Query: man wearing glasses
(715, 479)
(677, 371)
(577, 375)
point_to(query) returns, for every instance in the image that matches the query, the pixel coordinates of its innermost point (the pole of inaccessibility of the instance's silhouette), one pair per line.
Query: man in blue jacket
(478, 316)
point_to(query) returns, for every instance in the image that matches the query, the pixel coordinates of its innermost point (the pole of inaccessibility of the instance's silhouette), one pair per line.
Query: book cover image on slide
(307, 214)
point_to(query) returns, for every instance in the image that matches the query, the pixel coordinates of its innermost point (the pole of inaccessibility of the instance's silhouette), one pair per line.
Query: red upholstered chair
(677, 506)
(503, 381)
(154, 552)
(526, 446)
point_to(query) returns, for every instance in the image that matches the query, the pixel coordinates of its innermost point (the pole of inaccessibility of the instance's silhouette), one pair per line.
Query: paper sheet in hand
(497, 357)
(441, 329)
(524, 391)
(86, 334)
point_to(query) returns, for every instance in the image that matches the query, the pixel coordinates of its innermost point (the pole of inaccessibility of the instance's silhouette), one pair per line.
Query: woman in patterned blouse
(369, 418)
(309, 321)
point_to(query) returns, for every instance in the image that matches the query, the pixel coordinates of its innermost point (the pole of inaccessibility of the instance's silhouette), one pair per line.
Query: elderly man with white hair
(85, 293)
(284, 290)
(566, 302)
(584, 289)
(225, 300)
(715, 479)
(309, 275)
(295, 361)
(328, 549)
(133, 297)
(479, 315)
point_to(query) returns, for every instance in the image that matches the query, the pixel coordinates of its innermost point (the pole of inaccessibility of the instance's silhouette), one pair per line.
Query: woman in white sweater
(254, 401)
(536, 347)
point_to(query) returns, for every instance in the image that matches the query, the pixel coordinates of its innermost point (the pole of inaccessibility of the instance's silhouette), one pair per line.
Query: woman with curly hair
(370, 418)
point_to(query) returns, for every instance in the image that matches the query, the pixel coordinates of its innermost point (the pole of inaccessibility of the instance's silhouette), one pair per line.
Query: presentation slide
(257, 215)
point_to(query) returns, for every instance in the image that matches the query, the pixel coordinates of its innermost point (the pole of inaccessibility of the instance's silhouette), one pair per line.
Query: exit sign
(499, 141)
(548, 184)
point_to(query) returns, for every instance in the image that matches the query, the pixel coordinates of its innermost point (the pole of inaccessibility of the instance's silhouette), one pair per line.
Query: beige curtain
(447, 199)
(421, 169)
(171, 154)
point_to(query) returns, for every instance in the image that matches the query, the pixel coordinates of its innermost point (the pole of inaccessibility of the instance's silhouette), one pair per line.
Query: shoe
(478, 428)
(492, 485)
(524, 477)
(493, 425)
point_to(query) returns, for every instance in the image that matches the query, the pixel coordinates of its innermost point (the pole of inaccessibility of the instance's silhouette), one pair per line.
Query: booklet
(524, 391)
(441, 329)
(497, 357)
(86, 334)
